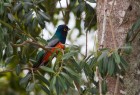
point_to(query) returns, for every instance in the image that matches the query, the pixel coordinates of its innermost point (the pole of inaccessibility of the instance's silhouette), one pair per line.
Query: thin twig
(104, 24)
(5, 71)
(86, 44)
(111, 25)
(116, 85)
(32, 70)
(87, 36)
(115, 45)
(24, 33)
(100, 80)
(62, 10)
(34, 43)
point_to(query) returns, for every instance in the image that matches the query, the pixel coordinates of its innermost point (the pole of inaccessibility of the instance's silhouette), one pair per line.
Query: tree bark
(114, 19)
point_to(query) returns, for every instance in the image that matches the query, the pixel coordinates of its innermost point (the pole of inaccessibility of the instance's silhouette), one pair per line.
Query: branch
(34, 43)
(24, 33)
(100, 81)
(104, 24)
(87, 35)
(86, 44)
(6, 71)
(117, 85)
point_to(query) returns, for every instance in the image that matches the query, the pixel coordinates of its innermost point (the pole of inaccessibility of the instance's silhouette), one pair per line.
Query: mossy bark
(123, 14)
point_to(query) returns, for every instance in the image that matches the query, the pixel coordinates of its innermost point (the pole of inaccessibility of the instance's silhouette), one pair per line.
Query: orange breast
(51, 51)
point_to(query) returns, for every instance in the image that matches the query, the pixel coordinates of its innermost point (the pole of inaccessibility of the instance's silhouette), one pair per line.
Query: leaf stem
(100, 80)
(62, 10)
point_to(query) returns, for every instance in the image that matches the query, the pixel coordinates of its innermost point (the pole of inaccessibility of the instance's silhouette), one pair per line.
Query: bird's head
(63, 28)
(61, 32)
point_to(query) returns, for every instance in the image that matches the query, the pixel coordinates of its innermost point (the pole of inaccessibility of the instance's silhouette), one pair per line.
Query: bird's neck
(62, 37)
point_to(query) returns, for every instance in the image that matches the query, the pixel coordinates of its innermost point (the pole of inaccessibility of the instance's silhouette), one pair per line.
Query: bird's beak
(68, 29)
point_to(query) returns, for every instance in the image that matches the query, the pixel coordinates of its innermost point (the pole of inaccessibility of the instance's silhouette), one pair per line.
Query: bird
(56, 42)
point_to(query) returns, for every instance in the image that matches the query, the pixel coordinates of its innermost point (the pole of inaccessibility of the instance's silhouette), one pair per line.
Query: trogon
(56, 42)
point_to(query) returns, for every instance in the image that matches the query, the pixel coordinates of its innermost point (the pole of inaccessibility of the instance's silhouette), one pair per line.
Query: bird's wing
(39, 58)
(53, 42)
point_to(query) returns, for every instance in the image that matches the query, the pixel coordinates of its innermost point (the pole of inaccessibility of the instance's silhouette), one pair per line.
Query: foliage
(23, 20)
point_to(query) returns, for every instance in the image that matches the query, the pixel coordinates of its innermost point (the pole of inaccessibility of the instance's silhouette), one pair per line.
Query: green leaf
(104, 87)
(44, 88)
(37, 2)
(132, 32)
(25, 79)
(59, 87)
(28, 17)
(71, 71)
(92, 1)
(61, 80)
(93, 62)
(80, 1)
(127, 48)
(128, 37)
(100, 65)
(136, 25)
(40, 20)
(44, 15)
(75, 64)
(80, 8)
(17, 7)
(52, 83)
(116, 57)
(9, 49)
(123, 63)
(7, 5)
(68, 55)
(1, 7)
(111, 66)
(8, 59)
(88, 71)
(47, 69)
(42, 78)
(72, 3)
(18, 69)
(6, 24)
(94, 91)
(30, 87)
(43, 41)
(11, 17)
(104, 54)
(27, 5)
(105, 64)
(35, 23)
(67, 77)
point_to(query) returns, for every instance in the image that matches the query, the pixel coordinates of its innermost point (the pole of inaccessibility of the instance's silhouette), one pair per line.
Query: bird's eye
(65, 29)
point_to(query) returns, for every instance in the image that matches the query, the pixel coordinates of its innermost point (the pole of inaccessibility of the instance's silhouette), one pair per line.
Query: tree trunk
(114, 19)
